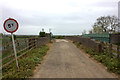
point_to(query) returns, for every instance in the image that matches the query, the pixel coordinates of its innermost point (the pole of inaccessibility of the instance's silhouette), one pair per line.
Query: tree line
(105, 24)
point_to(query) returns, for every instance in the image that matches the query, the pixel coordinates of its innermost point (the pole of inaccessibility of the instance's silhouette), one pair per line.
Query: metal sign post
(15, 50)
(11, 26)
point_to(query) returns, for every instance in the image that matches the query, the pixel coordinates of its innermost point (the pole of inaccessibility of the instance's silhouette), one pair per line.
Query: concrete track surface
(64, 60)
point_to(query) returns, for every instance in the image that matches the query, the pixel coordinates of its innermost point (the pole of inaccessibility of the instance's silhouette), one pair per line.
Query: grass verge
(27, 64)
(112, 63)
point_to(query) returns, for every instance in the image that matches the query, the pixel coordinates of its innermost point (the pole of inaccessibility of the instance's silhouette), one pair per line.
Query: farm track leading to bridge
(64, 60)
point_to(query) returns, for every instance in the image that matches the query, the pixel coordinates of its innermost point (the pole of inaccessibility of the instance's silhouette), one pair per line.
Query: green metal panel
(104, 37)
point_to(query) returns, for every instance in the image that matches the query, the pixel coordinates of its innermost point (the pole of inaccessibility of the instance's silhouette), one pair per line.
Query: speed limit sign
(10, 25)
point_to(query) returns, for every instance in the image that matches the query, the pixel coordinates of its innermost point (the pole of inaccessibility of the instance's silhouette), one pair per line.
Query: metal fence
(103, 37)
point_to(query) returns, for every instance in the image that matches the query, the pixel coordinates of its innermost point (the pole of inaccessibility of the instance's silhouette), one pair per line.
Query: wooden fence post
(7, 46)
(18, 45)
(36, 43)
(110, 50)
(26, 44)
(30, 43)
(100, 47)
(118, 52)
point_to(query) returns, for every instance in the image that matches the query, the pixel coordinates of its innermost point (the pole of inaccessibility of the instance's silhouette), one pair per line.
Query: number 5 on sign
(11, 26)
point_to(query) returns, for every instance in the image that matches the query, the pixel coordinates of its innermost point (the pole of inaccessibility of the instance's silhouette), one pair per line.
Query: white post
(15, 50)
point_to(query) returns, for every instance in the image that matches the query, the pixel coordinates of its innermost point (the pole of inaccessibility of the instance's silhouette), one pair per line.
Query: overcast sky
(62, 16)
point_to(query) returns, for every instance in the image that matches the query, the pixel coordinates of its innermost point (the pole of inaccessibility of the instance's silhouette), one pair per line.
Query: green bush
(117, 44)
(59, 37)
(42, 34)
(78, 45)
(113, 64)
(91, 52)
(98, 58)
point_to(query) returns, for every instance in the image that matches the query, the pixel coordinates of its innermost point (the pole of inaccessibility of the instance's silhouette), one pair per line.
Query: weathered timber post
(30, 43)
(34, 39)
(118, 52)
(7, 46)
(110, 50)
(35, 42)
(99, 48)
(18, 45)
(26, 42)
(102, 47)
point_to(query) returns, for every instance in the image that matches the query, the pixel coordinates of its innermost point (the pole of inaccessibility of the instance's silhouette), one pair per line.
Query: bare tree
(90, 31)
(107, 24)
(97, 29)
(84, 32)
(113, 23)
(103, 24)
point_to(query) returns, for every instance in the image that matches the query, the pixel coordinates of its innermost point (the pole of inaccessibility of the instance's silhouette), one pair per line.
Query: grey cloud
(110, 3)
(72, 23)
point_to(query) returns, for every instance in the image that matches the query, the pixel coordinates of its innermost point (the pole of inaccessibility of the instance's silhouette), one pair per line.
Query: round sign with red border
(10, 25)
